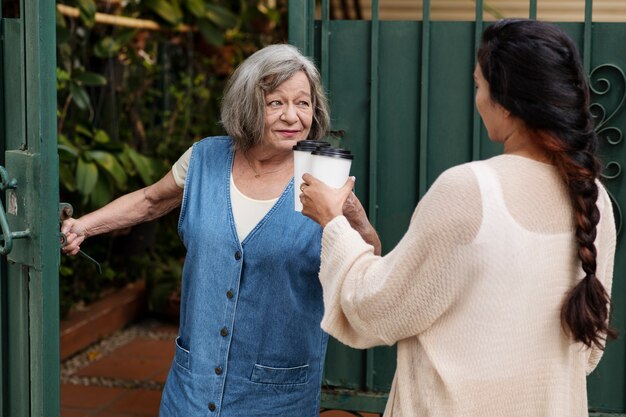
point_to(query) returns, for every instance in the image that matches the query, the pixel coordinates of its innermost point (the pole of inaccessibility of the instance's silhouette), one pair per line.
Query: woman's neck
(522, 142)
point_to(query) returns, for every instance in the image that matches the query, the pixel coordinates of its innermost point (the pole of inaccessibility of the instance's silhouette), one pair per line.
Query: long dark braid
(535, 72)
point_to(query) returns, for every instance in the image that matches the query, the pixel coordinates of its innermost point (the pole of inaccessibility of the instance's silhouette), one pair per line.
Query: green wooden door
(29, 305)
(402, 99)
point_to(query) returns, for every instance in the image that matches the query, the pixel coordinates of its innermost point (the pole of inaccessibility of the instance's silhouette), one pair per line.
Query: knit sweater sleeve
(371, 300)
(605, 244)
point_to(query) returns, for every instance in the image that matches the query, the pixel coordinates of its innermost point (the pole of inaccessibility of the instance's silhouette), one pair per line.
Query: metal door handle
(65, 212)
(7, 235)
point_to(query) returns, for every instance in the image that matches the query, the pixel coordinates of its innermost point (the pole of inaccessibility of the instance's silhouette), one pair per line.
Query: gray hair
(243, 105)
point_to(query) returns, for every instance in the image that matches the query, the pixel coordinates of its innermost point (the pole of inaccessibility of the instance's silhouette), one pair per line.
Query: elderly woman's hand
(74, 233)
(321, 202)
(355, 213)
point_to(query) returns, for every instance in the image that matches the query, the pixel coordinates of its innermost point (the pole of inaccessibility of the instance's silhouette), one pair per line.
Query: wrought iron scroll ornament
(601, 86)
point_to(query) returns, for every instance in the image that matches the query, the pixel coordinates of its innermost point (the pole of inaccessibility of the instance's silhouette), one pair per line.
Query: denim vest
(250, 342)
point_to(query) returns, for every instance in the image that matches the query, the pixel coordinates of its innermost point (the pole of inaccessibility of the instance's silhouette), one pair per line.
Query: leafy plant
(130, 101)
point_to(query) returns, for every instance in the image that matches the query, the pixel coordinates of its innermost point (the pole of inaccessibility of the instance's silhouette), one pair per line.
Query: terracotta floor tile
(112, 414)
(71, 412)
(113, 366)
(140, 402)
(147, 348)
(162, 377)
(77, 396)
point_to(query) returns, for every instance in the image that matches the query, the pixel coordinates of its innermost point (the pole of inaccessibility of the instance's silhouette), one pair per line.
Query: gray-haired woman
(250, 341)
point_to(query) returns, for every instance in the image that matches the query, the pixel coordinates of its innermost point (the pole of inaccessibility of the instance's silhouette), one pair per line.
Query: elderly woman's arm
(143, 205)
(355, 213)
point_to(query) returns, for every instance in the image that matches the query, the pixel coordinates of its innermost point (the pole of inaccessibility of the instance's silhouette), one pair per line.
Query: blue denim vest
(250, 342)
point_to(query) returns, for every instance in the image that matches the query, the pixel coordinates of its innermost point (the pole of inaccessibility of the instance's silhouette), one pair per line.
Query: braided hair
(535, 72)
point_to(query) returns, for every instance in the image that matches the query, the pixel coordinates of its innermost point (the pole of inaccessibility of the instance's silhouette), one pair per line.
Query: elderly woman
(498, 294)
(250, 342)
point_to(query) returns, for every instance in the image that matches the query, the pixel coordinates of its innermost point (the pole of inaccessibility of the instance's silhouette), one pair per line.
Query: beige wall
(552, 10)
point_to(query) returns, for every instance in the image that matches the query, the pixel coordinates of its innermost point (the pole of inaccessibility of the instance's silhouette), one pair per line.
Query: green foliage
(130, 102)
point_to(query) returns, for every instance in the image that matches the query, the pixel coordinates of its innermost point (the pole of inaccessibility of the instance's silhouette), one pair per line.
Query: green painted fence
(402, 99)
(29, 191)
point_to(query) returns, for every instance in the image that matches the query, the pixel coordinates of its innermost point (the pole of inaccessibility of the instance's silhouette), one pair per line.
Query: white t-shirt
(247, 212)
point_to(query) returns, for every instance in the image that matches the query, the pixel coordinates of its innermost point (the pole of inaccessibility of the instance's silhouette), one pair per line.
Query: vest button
(237, 255)
(212, 406)
(218, 371)
(224, 332)
(229, 294)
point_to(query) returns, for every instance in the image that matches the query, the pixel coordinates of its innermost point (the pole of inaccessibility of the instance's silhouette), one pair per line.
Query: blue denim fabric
(250, 342)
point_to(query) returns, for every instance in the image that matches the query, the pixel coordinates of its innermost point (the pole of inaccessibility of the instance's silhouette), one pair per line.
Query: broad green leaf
(211, 33)
(221, 16)
(125, 36)
(142, 165)
(110, 164)
(196, 7)
(107, 47)
(127, 163)
(80, 96)
(82, 130)
(67, 153)
(67, 177)
(168, 11)
(86, 176)
(87, 11)
(89, 78)
(102, 193)
(101, 137)
(64, 140)
(62, 75)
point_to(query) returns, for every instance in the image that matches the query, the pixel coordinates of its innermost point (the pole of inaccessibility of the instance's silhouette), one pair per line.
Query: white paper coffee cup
(331, 165)
(302, 159)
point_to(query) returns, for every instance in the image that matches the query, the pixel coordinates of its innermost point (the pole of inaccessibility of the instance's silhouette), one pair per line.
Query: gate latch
(7, 234)
(65, 212)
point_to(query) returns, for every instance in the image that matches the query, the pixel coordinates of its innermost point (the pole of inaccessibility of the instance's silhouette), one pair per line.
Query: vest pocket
(279, 376)
(181, 356)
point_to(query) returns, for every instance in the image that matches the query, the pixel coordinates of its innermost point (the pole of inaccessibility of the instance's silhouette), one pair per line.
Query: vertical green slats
(532, 13)
(373, 152)
(325, 41)
(3, 271)
(40, 48)
(300, 25)
(587, 36)
(476, 124)
(310, 28)
(373, 136)
(16, 373)
(423, 140)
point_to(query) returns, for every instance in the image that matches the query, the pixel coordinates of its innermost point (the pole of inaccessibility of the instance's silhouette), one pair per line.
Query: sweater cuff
(341, 247)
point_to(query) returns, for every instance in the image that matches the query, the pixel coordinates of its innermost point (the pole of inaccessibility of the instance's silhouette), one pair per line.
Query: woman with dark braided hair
(498, 295)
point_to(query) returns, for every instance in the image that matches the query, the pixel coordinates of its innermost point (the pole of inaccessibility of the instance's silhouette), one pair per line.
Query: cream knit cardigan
(472, 294)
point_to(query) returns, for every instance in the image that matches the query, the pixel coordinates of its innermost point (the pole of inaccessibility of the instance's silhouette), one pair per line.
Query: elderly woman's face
(288, 113)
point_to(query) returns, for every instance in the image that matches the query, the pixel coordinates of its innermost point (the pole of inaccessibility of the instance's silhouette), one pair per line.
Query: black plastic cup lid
(310, 145)
(333, 153)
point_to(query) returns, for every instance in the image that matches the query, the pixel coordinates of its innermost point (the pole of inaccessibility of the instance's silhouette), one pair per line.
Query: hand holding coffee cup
(302, 164)
(321, 202)
(331, 165)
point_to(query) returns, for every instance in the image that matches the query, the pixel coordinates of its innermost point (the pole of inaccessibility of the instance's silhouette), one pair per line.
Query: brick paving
(123, 375)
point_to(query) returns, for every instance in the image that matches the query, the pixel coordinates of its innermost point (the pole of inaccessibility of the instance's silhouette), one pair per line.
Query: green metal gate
(402, 99)
(29, 304)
